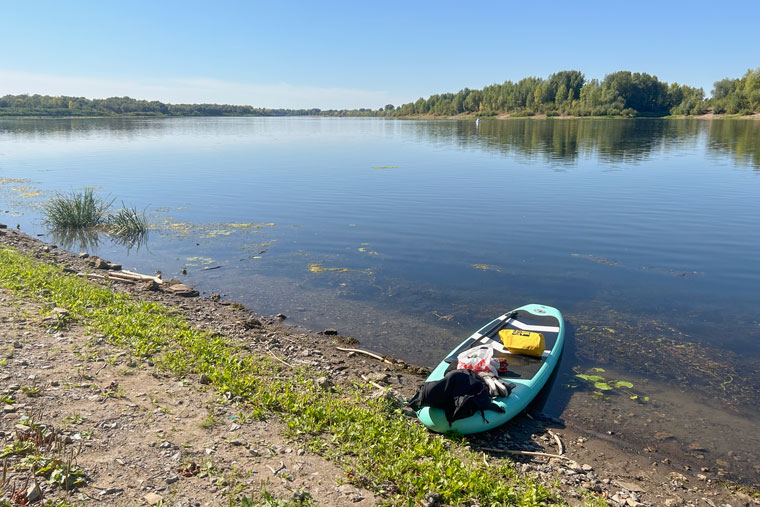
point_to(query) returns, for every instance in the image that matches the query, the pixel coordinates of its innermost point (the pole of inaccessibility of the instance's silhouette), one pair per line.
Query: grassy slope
(379, 448)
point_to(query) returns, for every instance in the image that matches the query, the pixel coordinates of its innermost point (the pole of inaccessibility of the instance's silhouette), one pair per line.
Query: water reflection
(561, 141)
(89, 240)
(739, 139)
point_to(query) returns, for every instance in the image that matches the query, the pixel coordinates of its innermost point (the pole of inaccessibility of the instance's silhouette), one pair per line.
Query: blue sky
(358, 54)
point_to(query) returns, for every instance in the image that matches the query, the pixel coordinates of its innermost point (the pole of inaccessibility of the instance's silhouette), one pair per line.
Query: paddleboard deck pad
(528, 374)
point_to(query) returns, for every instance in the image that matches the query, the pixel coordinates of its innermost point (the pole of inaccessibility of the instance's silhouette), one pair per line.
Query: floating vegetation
(368, 252)
(9, 181)
(486, 267)
(318, 268)
(596, 258)
(207, 231)
(608, 336)
(216, 232)
(199, 261)
(603, 385)
(27, 192)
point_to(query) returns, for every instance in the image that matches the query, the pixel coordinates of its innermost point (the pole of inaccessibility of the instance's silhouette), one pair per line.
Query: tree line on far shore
(63, 106)
(622, 93)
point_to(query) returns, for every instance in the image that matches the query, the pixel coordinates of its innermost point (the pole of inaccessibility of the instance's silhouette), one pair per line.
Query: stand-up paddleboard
(528, 374)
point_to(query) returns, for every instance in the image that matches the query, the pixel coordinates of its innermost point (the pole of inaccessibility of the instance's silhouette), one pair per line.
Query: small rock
(629, 486)
(281, 316)
(329, 332)
(205, 379)
(672, 502)
(9, 409)
(33, 493)
(172, 479)
(431, 500)
(97, 263)
(250, 323)
(83, 255)
(696, 448)
(662, 436)
(148, 285)
(378, 377)
(324, 383)
(153, 498)
(180, 289)
(3, 226)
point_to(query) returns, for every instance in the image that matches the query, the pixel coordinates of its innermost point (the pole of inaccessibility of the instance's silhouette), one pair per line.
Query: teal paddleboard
(528, 374)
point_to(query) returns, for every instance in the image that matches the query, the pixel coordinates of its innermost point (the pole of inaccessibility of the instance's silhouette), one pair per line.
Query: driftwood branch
(280, 360)
(560, 447)
(525, 453)
(139, 276)
(374, 384)
(370, 354)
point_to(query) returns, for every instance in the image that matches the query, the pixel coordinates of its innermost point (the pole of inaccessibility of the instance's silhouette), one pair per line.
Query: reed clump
(76, 210)
(84, 210)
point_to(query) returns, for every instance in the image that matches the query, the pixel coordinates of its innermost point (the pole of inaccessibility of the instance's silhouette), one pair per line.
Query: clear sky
(334, 54)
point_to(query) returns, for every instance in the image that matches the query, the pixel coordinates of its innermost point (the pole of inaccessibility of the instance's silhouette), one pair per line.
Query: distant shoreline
(464, 116)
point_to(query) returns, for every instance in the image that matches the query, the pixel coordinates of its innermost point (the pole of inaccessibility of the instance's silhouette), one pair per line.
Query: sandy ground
(144, 438)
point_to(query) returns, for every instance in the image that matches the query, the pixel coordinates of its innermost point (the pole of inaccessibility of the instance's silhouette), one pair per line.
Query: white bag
(478, 359)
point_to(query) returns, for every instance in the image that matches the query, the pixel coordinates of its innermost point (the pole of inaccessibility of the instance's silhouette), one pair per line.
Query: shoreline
(462, 116)
(615, 471)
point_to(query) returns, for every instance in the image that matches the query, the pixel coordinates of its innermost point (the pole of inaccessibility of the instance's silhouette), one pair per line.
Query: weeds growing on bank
(376, 445)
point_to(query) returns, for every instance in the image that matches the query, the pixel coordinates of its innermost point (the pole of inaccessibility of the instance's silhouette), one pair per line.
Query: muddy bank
(144, 429)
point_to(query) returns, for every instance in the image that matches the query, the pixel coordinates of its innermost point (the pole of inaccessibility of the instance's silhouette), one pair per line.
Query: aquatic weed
(76, 210)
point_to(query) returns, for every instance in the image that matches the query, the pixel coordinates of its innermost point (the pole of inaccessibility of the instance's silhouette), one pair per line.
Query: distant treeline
(567, 92)
(619, 94)
(62, 106)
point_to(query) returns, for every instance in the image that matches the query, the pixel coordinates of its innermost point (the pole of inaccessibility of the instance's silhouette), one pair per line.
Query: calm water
(411, 234)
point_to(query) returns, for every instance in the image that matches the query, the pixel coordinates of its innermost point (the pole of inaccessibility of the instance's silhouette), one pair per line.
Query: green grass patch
(376, 445)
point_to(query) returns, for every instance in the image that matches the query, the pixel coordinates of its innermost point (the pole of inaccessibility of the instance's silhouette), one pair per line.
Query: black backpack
(460, 394)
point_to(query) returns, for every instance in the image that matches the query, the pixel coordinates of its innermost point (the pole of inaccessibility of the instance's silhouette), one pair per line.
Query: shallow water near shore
(409, 235)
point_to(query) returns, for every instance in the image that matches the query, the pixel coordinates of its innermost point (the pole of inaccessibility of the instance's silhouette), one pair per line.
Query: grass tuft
(127, 222)
(77, 210)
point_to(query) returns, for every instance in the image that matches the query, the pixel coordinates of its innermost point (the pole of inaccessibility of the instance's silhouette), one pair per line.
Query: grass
(77, 210)
(78, 213)
(127, 222)
(377, 447)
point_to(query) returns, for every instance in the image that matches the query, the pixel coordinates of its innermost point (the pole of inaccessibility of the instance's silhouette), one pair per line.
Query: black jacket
(460, 394)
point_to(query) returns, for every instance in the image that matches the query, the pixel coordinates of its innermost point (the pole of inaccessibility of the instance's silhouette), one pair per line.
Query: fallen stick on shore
(374, 384)
(525, 453)
(140, 276)
(280, 360)
(108, 277)
(560, 447)
(367, 353)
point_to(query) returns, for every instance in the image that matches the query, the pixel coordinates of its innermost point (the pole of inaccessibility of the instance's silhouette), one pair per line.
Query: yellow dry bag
(523, 342)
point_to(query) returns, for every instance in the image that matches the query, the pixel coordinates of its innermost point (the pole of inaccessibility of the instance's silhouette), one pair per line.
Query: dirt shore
(147, 438)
